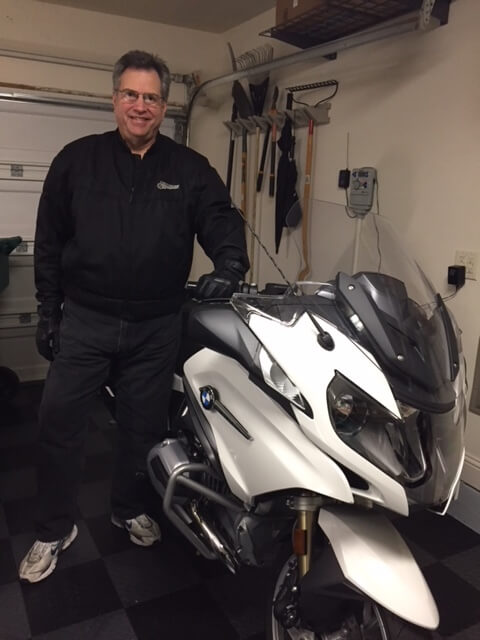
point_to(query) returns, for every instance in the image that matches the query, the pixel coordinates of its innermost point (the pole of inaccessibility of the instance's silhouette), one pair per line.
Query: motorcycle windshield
(385, 303)
(385, 300)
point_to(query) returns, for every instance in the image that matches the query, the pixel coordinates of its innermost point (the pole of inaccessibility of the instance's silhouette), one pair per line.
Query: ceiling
(215, 16)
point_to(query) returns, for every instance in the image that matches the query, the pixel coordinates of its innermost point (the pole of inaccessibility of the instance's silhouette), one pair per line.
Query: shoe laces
(39, 549)
(144, 520)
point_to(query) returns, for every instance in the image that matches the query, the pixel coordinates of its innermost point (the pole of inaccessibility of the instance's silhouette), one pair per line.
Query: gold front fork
(306, 507)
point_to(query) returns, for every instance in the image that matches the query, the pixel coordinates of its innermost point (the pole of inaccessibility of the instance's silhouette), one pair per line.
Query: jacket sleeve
(53, 230)
(219, 226)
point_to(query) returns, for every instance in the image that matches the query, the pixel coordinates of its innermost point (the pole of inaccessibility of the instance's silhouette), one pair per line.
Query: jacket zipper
(129, 236)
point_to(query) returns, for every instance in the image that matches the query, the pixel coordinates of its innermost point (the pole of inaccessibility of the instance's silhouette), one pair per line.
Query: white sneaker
(142, 530)
(42, 558)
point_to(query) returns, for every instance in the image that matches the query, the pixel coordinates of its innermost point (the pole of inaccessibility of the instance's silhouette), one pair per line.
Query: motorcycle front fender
(374, 558)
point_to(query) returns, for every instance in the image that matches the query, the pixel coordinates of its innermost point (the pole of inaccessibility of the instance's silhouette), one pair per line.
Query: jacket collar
(156, 147)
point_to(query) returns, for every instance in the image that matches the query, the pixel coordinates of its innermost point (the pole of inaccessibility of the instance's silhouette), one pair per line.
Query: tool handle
(254, 210)
(263, 160)
(273, 149)
(231, 151)
(244, 173)
(306, 197)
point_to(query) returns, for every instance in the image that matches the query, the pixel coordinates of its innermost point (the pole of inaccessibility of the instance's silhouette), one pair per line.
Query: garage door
(32, 131)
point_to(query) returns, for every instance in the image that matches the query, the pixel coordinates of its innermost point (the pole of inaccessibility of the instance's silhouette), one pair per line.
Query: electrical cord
(452, 295)
(352, 215)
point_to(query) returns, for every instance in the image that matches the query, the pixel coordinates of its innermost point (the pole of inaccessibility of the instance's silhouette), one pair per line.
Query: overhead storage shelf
(330, 20)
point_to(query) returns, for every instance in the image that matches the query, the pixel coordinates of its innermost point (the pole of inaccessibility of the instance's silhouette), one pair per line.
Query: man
(113, 249)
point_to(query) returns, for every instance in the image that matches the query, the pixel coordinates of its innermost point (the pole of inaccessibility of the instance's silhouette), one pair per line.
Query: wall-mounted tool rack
(300, 118)
(429, 15)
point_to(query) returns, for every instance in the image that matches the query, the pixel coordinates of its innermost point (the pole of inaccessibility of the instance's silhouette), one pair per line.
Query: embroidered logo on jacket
(165, 185)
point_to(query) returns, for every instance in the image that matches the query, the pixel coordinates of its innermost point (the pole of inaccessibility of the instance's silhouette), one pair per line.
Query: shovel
(244, 110)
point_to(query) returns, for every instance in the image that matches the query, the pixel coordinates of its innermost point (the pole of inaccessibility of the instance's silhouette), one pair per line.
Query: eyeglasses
(130, 97)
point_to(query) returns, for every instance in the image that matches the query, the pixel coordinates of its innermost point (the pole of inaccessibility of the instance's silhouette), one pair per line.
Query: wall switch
(469, 259)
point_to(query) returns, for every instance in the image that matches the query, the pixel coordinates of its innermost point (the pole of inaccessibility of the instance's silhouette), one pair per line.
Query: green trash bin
(8, 379)
(7, 245)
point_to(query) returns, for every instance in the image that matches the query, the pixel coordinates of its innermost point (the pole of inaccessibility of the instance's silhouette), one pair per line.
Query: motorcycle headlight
(393, 445)
(277, 379)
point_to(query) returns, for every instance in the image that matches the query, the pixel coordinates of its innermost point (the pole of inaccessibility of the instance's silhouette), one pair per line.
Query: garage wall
(54, 30)
(411, 107)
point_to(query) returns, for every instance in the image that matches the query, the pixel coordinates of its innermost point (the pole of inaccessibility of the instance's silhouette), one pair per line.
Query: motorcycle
(304, 418)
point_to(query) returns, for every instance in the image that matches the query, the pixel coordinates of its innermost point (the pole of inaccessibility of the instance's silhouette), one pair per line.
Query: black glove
(220, 283)
(48, 332)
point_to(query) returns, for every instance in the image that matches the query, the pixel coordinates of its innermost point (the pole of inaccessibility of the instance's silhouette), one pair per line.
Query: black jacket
(115, 232)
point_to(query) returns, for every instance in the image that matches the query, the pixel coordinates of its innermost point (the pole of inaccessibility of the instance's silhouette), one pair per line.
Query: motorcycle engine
(250, 537)
(164, 459)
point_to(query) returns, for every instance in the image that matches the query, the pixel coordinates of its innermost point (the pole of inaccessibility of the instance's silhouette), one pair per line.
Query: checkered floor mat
(105, 588)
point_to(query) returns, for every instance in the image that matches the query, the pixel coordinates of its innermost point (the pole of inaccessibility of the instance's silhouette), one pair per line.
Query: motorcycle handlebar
(243, 287)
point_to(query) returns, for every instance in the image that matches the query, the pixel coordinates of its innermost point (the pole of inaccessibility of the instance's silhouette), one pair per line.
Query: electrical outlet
(469, 259)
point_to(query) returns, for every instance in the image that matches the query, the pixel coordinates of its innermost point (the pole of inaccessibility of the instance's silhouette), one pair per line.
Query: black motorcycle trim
(220, 328)
(279, 399)
(452, 343)
(323, 592)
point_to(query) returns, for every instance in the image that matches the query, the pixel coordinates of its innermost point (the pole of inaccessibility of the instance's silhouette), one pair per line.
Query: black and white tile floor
(105, 588)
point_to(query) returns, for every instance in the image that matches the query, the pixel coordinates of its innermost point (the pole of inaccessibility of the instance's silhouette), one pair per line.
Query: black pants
(140, 358)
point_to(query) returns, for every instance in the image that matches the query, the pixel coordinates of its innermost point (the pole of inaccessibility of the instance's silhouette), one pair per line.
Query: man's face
(137, 121)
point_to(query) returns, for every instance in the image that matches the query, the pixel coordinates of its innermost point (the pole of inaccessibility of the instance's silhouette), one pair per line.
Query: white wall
(411, 105)
(51, 29)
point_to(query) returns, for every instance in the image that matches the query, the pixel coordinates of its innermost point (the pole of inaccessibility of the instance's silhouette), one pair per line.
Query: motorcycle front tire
(377, 623)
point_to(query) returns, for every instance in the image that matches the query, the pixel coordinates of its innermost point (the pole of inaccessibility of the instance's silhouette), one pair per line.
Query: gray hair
(142, 60)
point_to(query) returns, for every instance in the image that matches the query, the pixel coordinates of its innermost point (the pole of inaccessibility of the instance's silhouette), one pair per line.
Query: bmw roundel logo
(207, 397)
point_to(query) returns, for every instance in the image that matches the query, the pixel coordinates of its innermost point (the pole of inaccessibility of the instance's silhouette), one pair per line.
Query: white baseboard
(471, 471)
(466, 508)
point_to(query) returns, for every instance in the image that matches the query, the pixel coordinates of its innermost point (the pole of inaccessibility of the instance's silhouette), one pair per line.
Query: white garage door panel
(32, 129)
(31, 134)
(21, 172)
(17, 217)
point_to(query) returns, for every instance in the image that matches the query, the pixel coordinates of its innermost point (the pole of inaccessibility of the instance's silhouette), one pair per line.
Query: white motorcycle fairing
(372, 555)
(318, 369)
(279, 455)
